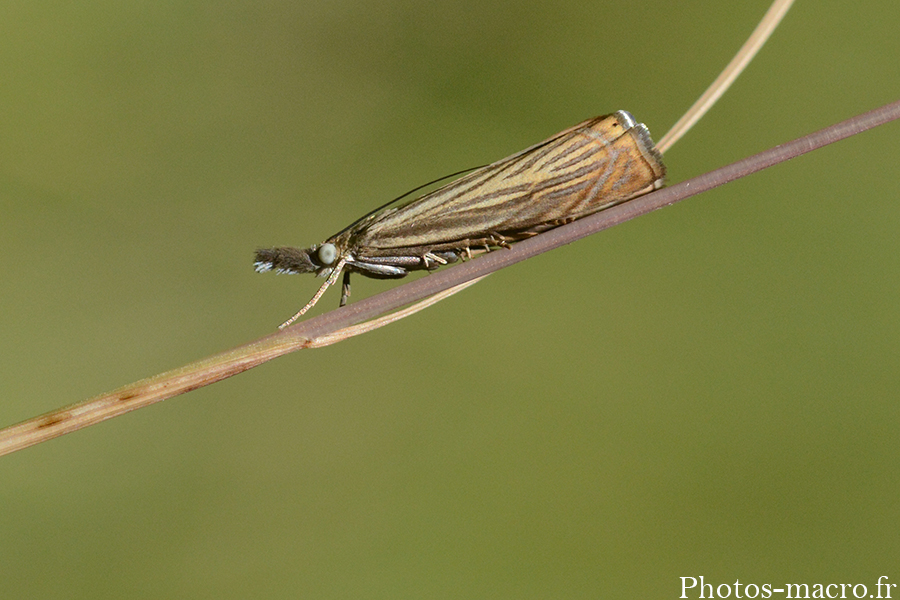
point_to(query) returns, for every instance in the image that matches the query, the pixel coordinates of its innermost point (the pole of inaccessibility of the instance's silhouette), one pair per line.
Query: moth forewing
(600, 162)
(594, 165)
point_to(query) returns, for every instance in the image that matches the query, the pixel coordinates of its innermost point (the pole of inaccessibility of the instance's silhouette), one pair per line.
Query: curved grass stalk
(333, 326)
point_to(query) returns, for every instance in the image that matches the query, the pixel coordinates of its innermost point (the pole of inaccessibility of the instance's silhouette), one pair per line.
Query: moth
(596, 164)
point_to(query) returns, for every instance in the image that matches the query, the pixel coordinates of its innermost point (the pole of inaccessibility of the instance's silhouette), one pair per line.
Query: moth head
(327, 254)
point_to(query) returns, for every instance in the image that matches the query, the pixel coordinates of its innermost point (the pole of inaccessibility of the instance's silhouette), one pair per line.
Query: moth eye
(327, 253)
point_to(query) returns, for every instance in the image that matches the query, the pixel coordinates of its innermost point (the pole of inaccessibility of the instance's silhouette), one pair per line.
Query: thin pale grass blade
(367, 326)
(737, 65)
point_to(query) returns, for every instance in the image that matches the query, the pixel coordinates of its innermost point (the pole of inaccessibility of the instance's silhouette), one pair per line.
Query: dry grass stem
(327, 328)
(737, 65)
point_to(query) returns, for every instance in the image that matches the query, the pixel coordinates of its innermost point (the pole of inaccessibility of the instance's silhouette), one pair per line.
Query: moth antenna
(328, 283)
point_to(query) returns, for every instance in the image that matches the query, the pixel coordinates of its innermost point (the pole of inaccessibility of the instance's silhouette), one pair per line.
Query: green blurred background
(708, 390)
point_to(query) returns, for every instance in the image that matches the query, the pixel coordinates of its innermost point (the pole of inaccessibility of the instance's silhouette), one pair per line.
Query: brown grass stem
(326, 328)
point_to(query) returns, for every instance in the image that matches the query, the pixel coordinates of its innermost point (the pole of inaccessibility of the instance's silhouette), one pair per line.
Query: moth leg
(433, 258)
(499, 240)
(328, 283)
(345, 288)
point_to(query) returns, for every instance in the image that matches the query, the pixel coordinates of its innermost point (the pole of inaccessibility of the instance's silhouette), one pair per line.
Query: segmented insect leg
(345, 288)
(430, 256)
(328, 283)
